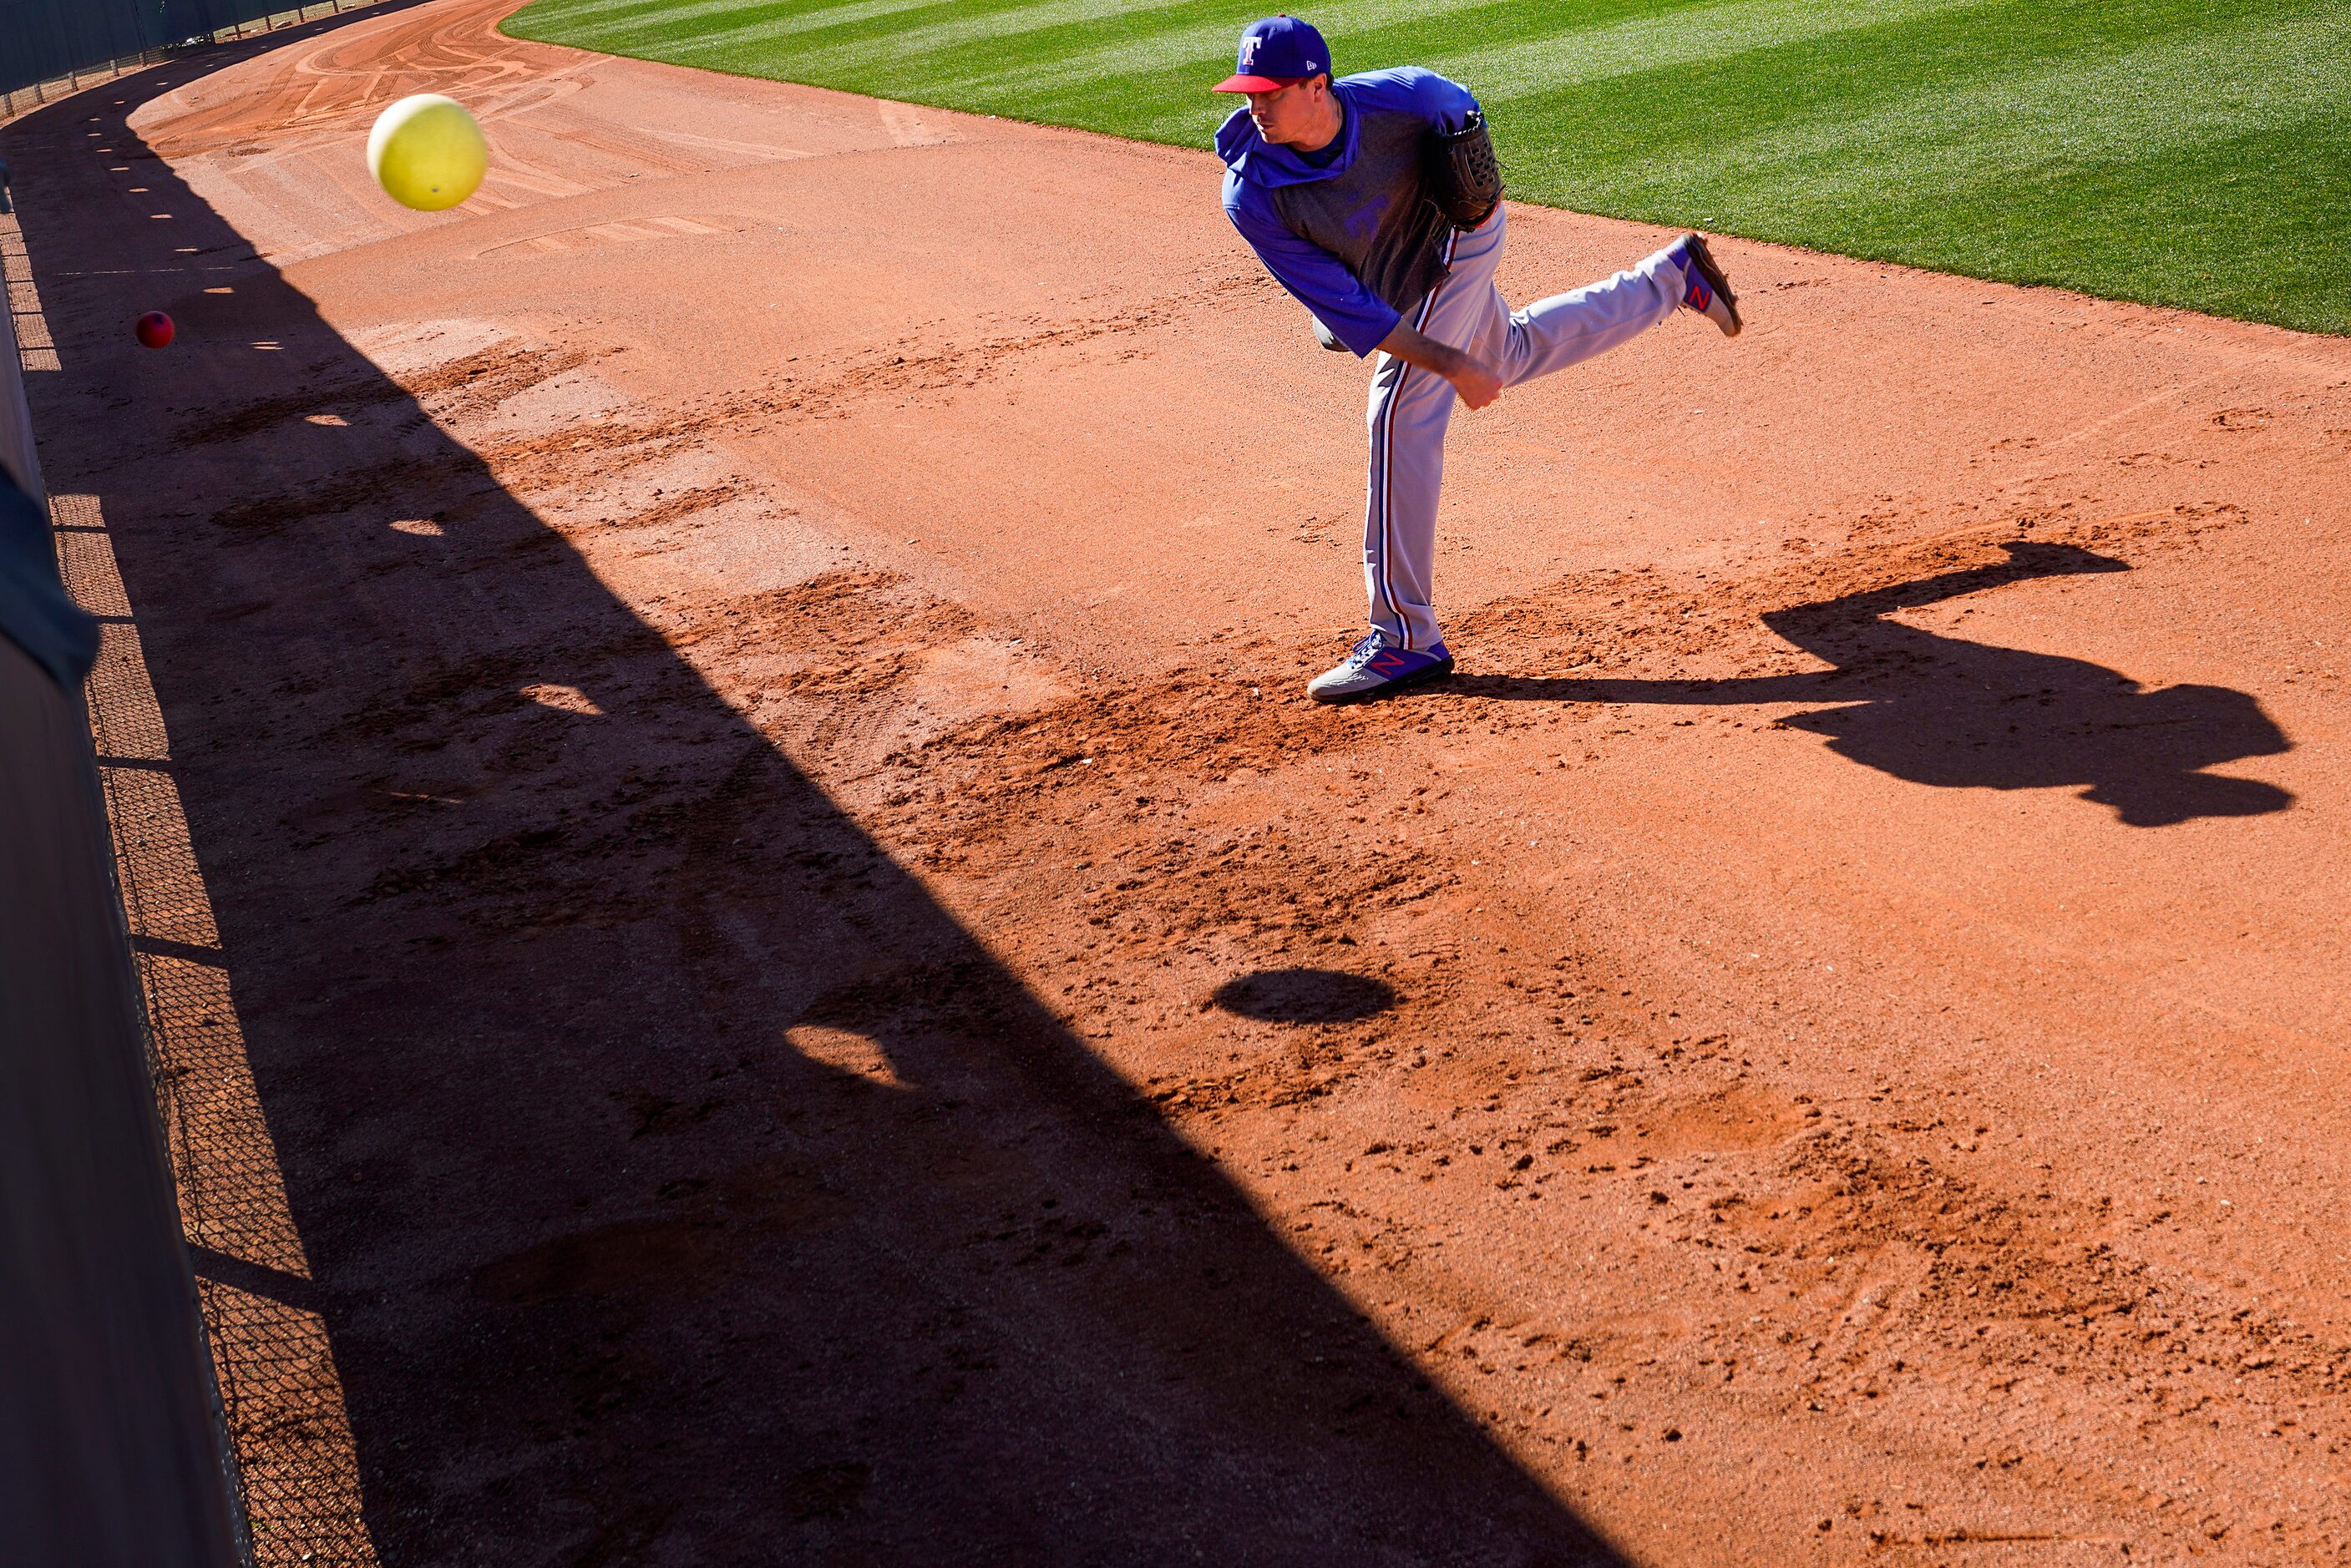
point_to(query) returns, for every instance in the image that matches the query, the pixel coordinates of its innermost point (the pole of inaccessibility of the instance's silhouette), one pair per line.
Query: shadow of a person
(1941, 710)
(1961, 715)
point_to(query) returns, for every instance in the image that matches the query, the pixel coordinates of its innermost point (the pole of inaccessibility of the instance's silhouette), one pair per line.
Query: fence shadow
(680, 1182)
(1941, 710)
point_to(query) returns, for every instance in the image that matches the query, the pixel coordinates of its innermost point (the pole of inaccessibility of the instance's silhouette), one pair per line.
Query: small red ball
(154, 329)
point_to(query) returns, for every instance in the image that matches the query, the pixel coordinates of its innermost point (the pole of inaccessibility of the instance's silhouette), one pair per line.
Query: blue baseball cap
(1278, 52)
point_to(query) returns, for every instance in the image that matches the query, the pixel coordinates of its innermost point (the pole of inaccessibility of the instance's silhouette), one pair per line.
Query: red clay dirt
(823, 996)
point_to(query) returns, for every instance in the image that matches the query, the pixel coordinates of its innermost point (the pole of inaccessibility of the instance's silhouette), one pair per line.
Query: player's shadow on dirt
(678, 1180)
(1305, 996)
(1939, 711)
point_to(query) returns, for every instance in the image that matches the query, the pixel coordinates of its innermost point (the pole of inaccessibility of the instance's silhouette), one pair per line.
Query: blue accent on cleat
(1373, 669)
(1704, 289)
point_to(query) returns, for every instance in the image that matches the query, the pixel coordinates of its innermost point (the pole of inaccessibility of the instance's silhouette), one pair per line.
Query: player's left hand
(1475, 382)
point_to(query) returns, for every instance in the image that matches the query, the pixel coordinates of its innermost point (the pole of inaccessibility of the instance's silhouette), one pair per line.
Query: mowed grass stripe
(1841, 111)
(709, 25)
(1024, 45)
(1649, 43)
(2071, 166)
(2185, 152)
(990, 28)
(2153, 98)
(1166, 45)
(1517, 82)
(1548, 46)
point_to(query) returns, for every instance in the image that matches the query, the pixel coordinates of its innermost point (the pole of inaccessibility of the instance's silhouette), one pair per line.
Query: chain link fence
(289, 1474)
(113, 1431)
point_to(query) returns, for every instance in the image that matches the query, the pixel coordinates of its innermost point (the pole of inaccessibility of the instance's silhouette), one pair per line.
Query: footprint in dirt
(1939, 711)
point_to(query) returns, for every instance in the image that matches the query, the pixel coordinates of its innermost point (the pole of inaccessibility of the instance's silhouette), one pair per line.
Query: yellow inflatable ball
(427, 153)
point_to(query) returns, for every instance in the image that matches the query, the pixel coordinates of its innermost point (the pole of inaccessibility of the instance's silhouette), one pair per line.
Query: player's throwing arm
(1377, 201)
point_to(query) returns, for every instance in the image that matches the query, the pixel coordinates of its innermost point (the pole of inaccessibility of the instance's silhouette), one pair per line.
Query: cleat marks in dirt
(913, 366)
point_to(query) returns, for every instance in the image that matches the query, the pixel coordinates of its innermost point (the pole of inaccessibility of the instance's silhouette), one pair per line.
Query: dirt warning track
(822, 997)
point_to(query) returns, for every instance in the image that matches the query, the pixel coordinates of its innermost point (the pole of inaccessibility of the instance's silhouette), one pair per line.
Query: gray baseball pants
(1411, 407)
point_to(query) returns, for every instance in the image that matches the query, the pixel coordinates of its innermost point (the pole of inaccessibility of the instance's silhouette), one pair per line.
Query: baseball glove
(1464, 180)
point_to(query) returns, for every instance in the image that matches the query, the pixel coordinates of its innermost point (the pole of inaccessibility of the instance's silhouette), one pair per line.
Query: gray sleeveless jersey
(1376, 216)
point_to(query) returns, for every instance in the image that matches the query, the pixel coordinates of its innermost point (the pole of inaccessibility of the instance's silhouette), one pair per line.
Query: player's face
(1294, 113)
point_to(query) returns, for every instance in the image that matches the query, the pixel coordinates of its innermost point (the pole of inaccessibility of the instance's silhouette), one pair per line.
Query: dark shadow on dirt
(1966, 715)
(614, 1273)
(1305, 996)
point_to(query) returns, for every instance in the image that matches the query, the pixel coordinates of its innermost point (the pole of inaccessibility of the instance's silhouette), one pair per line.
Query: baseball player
(1374, 199)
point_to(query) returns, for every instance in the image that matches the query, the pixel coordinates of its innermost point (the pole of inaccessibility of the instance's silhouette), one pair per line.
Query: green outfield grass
(2190, 152)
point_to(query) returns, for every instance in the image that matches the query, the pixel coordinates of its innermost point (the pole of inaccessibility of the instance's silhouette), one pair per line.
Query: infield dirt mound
(817, 984)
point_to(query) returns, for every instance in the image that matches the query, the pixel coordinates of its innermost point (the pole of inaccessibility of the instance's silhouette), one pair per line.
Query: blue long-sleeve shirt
(1350, 231)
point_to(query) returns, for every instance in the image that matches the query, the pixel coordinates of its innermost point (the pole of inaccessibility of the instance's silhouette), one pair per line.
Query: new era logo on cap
(1276, 53)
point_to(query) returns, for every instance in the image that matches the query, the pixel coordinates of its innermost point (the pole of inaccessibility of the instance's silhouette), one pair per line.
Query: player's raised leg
(1568, 329)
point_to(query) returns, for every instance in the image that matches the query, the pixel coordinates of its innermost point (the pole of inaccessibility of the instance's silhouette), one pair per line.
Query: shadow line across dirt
(1956, 715)
(614, 1270)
